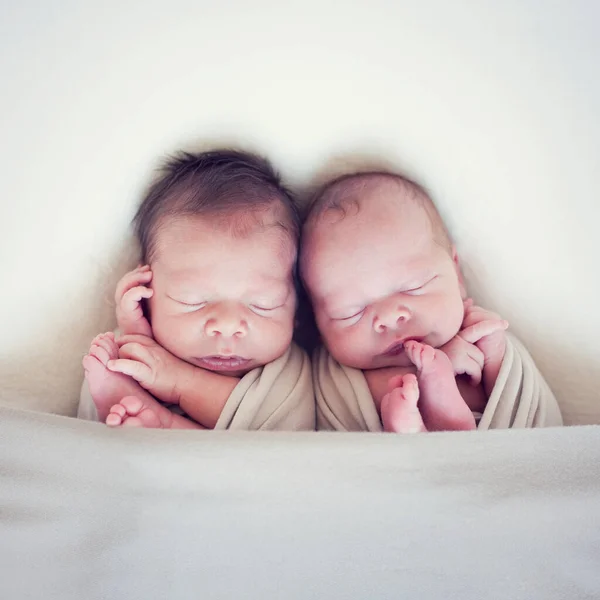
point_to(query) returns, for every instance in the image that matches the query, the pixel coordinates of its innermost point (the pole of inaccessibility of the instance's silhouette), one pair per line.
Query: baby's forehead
(382, 212)
(257, 230)
(387, 205)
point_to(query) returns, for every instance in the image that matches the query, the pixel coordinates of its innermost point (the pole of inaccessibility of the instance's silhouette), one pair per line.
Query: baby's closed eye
(189, 304)
(269, 303)
(265, 307)
(348, 317)
(417, 287)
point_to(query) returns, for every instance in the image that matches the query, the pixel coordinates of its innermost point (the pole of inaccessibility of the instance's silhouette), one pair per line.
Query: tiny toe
(99, 353)
(132, 404)
(119, 410)
(410, 381)
(394, 382)
(97, 338)
(104, 343)
(132, 422)
(109, 344)
(113, 420)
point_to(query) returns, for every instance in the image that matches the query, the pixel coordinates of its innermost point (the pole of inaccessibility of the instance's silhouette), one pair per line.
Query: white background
(494, 107)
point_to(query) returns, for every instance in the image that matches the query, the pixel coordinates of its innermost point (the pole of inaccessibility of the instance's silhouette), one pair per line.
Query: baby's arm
(130, 292)
(200, 393)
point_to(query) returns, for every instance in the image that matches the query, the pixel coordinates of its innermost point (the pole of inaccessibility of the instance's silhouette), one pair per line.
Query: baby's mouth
(218, 362)
(398, 346)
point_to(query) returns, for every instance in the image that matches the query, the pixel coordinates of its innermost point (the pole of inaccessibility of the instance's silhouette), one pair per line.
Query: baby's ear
(461, 279)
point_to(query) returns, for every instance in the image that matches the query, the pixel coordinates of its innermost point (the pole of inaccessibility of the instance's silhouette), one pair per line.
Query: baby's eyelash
(196, 305)
(356, 314)
(418, 287)
(264, 308)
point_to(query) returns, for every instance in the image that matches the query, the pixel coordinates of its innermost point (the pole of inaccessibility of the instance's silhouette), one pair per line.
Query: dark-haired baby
(219, 233)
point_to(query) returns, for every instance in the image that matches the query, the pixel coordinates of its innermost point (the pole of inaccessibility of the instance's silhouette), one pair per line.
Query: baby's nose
(226, 326)
(391, 318)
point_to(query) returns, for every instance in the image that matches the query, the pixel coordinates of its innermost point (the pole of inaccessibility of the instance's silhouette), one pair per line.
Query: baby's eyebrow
(333, 303)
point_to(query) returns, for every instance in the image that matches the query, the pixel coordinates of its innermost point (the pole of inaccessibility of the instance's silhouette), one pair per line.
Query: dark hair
(214, 183)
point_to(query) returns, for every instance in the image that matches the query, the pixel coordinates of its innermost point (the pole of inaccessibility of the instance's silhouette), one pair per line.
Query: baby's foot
(132, 412)
(145, 411)
(399, 412)
(106, 387)
(441, 405)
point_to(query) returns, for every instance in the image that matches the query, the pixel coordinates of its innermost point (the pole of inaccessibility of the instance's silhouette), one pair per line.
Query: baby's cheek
(171, 333)
(350, 347)
(451, 313)
(273, 338)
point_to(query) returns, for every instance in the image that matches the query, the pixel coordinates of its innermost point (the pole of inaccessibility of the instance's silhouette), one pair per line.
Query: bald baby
(389, 299)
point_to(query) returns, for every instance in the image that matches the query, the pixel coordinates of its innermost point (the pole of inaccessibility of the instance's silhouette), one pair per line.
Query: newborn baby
(390, 302)
(219, 237)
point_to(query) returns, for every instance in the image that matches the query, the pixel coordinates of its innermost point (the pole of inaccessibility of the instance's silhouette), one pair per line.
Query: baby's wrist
(133, 326)
(184, 380)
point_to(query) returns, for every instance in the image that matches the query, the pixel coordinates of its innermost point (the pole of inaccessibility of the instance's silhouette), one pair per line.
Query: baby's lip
(222, 363)
(398, 346)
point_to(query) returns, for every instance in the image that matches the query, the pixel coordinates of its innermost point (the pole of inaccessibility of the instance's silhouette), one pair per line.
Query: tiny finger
(130, 280)
(476, 355)
(474, 373)
(131, 299)
(474, 333)
(140, 372)
(135, 338)
(136, 352)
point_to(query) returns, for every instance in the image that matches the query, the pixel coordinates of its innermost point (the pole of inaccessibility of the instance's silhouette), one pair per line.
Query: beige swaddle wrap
(520, 398)
(277, 397)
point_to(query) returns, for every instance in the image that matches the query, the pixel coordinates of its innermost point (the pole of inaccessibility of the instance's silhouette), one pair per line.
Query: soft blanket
(520, 398)
(90, 512)
(278, 396)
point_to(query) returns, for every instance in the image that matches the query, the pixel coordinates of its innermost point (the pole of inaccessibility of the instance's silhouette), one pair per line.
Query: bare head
(380, 268)
(346, 194)
(220, 232)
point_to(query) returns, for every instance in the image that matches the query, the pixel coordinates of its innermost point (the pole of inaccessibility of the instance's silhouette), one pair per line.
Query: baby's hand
(486, 330)
(153, 367)
(466, 358)
(130, 291)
